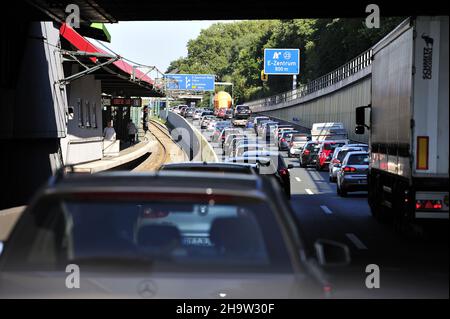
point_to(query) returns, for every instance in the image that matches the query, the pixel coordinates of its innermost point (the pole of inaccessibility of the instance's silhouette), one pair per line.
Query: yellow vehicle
(222, 102)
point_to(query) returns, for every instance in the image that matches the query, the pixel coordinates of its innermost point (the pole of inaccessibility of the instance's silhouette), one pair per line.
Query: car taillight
(284, 172)
(336, 161)
(283, 140)
(428, 204)
(349, 169)
(306, 152)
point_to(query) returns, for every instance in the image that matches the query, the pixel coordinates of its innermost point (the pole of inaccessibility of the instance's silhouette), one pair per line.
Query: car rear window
(311, 146)
(362, 159)
(187, 232)
(299, 138)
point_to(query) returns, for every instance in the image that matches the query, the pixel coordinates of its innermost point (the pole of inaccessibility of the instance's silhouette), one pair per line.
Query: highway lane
(409, 267)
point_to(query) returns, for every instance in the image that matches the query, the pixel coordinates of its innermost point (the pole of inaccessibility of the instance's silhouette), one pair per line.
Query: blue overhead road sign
(191, 82)
(281, 61)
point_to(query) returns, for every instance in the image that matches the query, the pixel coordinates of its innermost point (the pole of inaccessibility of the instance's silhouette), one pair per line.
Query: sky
(154, 43)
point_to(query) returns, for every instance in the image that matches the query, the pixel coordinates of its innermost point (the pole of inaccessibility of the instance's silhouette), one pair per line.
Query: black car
(269, 163)
(242, 112)
(220, 167)
(308, 155)
(213, 233)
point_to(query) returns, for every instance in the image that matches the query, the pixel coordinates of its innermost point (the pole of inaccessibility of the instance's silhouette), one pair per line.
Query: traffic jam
(194, 183)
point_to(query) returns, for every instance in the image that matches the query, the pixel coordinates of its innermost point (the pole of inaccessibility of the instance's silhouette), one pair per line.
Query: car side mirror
(332, 253)
(290, 166)
(359, 129)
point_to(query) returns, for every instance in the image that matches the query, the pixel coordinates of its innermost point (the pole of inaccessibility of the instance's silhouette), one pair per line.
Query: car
(244, 147)
(296, 143)
(189, 112)
(218, 128)
(207, 112)
(364, 147)
(219, 167)
(225, 132)
(183, 110)
(221, 113)
(284, 138)
(212, 124)
(277, 166)
(352, 175)
(230, 233)
(229, 139)
(236, 140)
(308, 155)
(257, 120)
(241, 115)
(267, 132)
(339, 155)
(262, 125)
(280, 129)
(326, 153)
(228, 114)
(178, 108)
(197, 114)
(205, 120)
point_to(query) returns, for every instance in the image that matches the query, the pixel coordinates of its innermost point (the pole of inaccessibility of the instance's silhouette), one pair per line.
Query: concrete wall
(35, 117)
(184, 135)
(335, 103)
(193, 143)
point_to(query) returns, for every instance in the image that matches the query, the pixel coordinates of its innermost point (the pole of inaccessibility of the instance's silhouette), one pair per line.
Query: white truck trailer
(408, 124)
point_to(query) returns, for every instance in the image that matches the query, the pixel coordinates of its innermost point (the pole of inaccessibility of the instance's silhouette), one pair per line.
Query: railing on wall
(359, 63)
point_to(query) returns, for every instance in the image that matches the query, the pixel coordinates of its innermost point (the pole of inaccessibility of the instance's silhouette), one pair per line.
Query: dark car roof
(211, 167)
(159, 181)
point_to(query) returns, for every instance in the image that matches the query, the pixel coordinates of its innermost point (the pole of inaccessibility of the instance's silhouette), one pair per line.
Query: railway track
(163, 154)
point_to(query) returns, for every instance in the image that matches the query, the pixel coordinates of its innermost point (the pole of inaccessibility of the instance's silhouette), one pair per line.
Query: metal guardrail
(357, 64)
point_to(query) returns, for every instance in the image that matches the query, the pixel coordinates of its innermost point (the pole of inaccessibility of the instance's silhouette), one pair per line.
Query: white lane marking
(356, 241)
(309, 191)
(326, 209)
(298, 179)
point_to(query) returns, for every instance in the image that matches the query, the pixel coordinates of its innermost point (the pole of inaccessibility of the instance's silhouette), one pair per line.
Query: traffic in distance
(244, 200)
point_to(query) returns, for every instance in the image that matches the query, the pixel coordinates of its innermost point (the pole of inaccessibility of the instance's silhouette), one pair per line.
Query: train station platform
(127, 155)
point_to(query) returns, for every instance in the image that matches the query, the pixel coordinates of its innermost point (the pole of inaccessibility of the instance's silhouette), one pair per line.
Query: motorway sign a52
(281, 61)
(190, 82)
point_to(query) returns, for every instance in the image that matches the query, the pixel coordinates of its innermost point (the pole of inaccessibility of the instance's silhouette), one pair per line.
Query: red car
(326, 153)
(221, 113)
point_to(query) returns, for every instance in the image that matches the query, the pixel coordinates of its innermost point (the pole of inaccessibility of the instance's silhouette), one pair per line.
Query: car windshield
(358, 159)
(192, 232)
(299, 138)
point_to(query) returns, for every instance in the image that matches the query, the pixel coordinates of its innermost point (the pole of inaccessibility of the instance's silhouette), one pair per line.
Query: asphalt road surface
(408, 267)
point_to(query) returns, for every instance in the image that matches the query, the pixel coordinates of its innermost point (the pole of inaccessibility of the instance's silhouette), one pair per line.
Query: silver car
(337, 158)
(352, 175)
